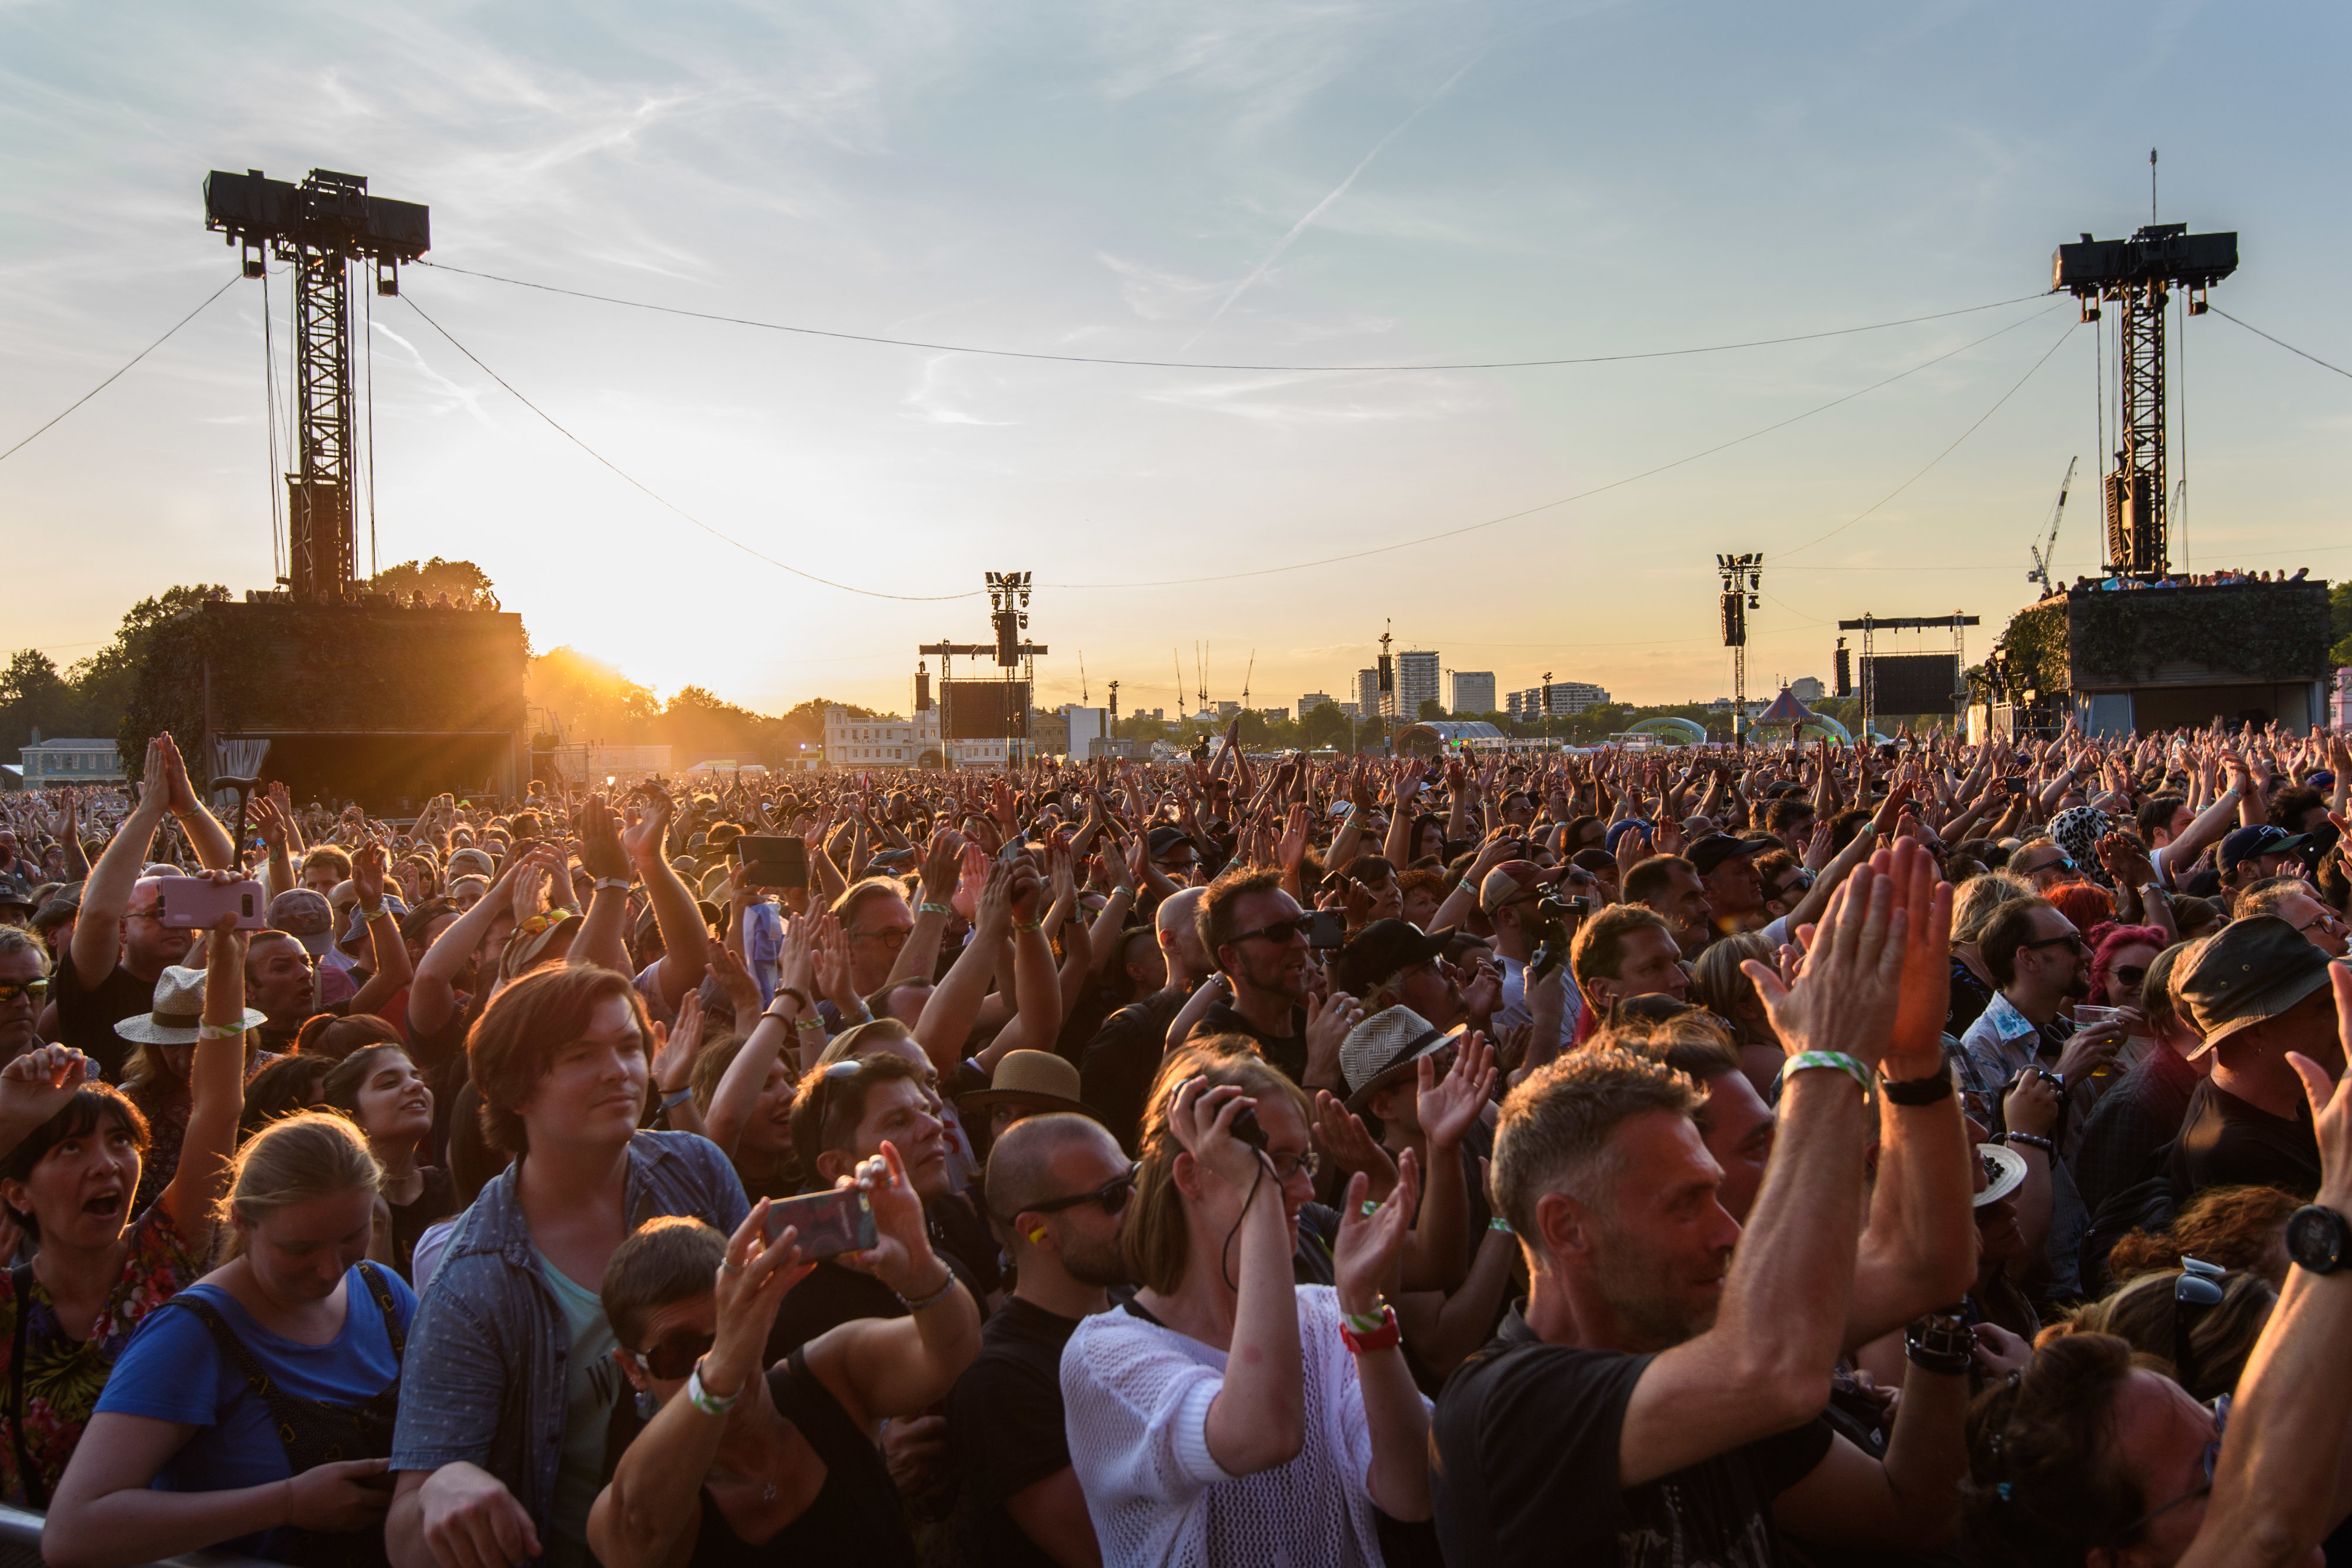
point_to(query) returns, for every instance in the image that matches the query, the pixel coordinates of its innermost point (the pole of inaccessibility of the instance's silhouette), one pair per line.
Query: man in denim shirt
(499, 1447)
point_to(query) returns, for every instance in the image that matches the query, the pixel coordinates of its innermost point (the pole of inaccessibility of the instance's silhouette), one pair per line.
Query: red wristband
(1385, 1337)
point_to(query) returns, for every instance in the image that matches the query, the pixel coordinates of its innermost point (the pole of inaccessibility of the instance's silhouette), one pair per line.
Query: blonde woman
(215, 1429)
(1974, 904)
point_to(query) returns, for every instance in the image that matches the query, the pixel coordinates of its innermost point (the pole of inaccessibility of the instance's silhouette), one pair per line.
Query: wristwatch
(2317, 1238)
(1942, 1342)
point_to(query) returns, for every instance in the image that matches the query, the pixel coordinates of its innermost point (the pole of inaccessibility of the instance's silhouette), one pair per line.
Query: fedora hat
(1037, 1080)
(1383, 1048)
(179, 1007)
(2004, 1170)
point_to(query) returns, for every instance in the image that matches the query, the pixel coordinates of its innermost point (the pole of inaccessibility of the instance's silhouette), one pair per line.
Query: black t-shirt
(1004, 1419)
(1116, 1073)
(1526, 1445)
(833, 1295)
(1287, 1052)
(2225, 1142)
(86, 1019)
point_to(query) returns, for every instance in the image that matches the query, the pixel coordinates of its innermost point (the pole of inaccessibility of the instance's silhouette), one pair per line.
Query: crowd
(1927, 1153)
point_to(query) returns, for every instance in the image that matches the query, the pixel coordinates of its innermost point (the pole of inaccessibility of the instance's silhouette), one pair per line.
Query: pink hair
(2116, 939)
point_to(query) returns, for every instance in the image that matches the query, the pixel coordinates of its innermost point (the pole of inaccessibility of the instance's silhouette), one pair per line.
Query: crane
(2047, 551)
(1246, 674)
(1082, 675)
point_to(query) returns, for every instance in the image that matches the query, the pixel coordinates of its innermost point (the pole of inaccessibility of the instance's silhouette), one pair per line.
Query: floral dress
(165, 1101)
(63, 1374)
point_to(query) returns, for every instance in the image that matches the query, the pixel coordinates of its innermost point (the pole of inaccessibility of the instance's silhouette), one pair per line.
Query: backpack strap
(20, 1283)
(381, 1291)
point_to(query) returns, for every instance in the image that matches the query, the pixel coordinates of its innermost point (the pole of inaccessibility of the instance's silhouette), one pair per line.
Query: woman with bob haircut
(380, 1092)
(500, 1446)
(1226, 1414)
(254, 1409)
(70, 1153)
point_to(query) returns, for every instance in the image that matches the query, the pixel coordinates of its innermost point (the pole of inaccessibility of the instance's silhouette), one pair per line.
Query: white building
(894, 742)
(1558, 699)
(1416, 681)
(1367, 692)
(1470, 691)
(1806, 689)
(68, 761)
(1311, 700)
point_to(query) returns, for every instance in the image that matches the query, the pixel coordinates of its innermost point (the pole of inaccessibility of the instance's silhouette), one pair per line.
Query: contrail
(1320, 208)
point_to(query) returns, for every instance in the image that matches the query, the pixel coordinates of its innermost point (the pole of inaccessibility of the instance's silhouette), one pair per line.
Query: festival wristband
(1501, 1224)
(219, 1031)
(1807, 1061)
(702, 1399)
(932, 907)
(1383, 1335)
(618, 883)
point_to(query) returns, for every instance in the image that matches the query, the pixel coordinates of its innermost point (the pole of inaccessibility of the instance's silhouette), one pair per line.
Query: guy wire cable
(698, 522)
(1201, 365)
(134, 359)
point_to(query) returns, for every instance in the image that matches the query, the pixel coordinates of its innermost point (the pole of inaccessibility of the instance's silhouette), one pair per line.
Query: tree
(1432, 708)
(590, 700)
(456, 579)
(2339, 624)
(1323, 726)
(34, 696)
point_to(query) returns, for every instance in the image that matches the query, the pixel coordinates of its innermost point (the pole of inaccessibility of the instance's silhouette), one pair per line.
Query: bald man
(1116, 1069)
(1057, 1187)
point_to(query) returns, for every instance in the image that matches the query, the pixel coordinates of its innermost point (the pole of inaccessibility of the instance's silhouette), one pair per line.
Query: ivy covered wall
(2242, 633)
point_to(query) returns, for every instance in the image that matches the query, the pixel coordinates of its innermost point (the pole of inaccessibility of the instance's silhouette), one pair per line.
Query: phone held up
(194, 903)
(828, 1223)
(1326, 928)
(771, 860)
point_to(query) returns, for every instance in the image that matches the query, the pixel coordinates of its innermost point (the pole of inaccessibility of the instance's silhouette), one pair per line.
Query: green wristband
(1806, 1061)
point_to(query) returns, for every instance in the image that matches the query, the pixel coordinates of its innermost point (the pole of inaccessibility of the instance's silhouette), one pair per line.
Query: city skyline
(1222, 184)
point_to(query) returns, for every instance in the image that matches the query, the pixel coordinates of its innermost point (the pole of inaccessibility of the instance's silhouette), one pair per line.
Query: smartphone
(1326, 928)
(194, 903)
(828, 1223)
(772, 860)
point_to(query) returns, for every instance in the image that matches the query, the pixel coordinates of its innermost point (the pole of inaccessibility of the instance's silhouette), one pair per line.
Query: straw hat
(179, 1007)
(1033, 1079)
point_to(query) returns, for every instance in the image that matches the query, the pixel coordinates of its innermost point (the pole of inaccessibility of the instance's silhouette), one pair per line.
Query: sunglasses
(2063, 863)
(1279, 930)
(2212, 1463)
(2129, 973)
(2197, 1291)
(11, 990)
(1112, 1195)
(2072, 939)
(674, 1358)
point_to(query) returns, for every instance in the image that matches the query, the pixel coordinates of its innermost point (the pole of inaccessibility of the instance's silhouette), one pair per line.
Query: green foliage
(2034, 646)
(90, 696)
(2339, 624)
(2265, 631)
(1432, 708)
(432, 577)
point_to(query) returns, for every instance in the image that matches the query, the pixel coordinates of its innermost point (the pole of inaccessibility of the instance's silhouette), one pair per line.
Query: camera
(1554, 919)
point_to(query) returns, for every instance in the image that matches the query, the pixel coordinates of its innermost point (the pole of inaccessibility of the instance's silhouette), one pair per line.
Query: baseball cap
(1383, 1048)
(1380, 950)
(2248, 972)
(1164, 840)
(2262, 839)
(1630, 825)
(304, 915)
(1508, 883)
(1716, 848)
(392, 901)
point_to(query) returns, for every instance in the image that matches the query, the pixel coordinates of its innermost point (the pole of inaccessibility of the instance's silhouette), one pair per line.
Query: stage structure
(340, 692)
(991, 708)
(1743, 579)
(323, 226)
(2137, 277)
(1922, 681)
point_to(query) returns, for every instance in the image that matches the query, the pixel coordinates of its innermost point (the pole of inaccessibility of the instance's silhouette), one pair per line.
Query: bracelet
(1028, 925)
(1806, 1061)
(702, 1399)
(1929, 1091)
(933, 906)
(919, 1303)
(2031, 1139)
(1501, 1224)
(671, 1101)
(219, 1031)
(618, 883)
(1942, 1342)
(797, 995)
(1385, 1336)
(810, 1022)
(1368, 1322)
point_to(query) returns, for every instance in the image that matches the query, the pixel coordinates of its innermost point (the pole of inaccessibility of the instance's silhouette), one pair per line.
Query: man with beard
(2040, 962)
(1057, 1184)
(1656, 1400)
(1259, 937)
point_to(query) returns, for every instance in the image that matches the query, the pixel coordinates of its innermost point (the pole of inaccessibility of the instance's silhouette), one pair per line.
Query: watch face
(2315, 1238)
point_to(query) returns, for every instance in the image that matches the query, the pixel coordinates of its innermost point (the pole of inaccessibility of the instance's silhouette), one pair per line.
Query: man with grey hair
(1117, 1066)
(24, 984)
(1656, 1399)
(1056, 1187)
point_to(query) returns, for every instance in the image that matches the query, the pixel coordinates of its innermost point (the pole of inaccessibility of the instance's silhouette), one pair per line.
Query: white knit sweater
(1136, 1397)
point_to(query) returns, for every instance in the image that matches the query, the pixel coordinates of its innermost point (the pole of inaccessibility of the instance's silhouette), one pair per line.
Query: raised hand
(679, 1045)
(1371, 1246)
(600, 841)
(1924, 1001)
(751, 1282)
(647, 823)
(1845, 996)
(36, 1086)
(940, 862)
(901, 1256)
(1448, 1106)
(367, 869)
(1342, 1135)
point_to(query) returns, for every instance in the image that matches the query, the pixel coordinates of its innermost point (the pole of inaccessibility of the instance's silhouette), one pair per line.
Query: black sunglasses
(2072, 940)
(1278, 930)
(1112, 1195)
(2197, 1291)
(2064, 862)
(675, 1356)
(11, 990)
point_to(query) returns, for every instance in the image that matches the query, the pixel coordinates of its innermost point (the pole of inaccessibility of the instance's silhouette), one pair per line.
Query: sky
(1285, 183)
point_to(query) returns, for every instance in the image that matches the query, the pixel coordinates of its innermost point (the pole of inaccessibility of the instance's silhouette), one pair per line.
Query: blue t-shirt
(174, 1370)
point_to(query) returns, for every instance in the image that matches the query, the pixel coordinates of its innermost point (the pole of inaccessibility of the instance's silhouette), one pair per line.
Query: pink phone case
(194, 903)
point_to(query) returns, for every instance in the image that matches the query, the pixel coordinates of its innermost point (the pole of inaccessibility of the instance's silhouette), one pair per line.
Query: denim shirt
(484, 1380)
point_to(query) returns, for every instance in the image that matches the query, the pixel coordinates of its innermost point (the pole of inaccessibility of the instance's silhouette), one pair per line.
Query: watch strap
(2317, 1239)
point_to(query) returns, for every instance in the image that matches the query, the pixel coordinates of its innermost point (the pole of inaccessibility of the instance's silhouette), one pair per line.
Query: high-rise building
(1416, 681)
(1368, 693)
(1469, 691)
(1227, 709)
(1313, 700)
